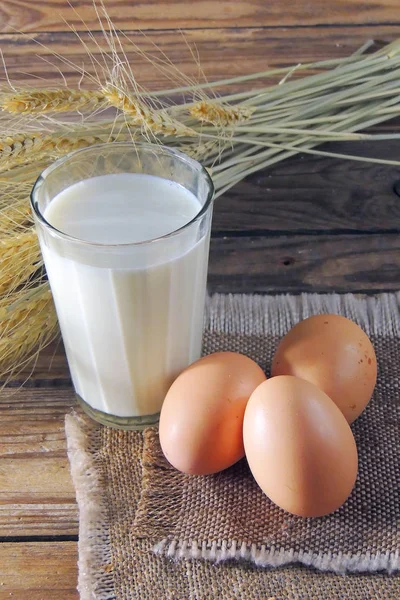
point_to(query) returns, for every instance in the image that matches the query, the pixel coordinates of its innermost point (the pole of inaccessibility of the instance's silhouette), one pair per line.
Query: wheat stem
(20, 258)
(15, 217)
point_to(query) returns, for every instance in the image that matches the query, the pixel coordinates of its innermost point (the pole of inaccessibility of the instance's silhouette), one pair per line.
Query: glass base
(127, 423)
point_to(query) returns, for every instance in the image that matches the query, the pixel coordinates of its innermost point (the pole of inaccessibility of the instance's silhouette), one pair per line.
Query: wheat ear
(45, 101)
(155, 121)
(220, 115)
(24, 148)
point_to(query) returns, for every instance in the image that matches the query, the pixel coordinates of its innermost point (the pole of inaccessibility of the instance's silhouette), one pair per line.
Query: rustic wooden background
(26, 15)
(307, 224)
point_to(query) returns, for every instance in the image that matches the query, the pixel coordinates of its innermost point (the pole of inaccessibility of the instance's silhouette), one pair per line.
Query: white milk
(131, 317)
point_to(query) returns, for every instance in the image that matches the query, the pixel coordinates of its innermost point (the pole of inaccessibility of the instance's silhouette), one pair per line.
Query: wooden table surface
(307, 224)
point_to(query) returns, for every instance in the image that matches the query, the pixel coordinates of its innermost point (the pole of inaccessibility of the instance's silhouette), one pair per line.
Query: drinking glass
(131, 314)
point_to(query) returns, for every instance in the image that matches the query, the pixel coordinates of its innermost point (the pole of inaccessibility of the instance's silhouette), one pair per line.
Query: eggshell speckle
(201, 420)
(299, 447)
(334, 354)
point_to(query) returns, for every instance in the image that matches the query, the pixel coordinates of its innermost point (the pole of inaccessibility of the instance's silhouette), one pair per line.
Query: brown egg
(201, 420)
(336, 355)
(299, 447)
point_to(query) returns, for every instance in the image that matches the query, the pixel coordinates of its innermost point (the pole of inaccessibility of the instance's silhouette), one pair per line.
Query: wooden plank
(317, 194)
(38, 571)
(222, 52)
(32, 423)
(37, 497)
(323, 263)
(159, 14)
(36, 492)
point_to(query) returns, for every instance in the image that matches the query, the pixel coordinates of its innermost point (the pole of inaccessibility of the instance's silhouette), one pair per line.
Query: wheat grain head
(48, 100)
(157, 122)
(220, 115)
(23, 148)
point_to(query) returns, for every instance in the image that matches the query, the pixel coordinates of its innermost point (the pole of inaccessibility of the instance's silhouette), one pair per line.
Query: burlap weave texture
(131, 501)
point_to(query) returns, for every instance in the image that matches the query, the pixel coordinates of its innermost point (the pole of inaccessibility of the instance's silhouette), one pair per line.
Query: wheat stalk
(47, 101)
(15, 217)
(20, 258)
(14, 206)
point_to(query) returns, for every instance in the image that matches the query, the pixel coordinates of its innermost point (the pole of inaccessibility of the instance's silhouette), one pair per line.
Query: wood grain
(36, 492)
(38, 571)
(223, 52)
(32, 424)
(37, 497)
(159, 14)
(317, 194)
(324, 263)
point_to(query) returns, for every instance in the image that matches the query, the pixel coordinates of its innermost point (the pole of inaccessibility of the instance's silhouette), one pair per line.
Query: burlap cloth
(149, 533)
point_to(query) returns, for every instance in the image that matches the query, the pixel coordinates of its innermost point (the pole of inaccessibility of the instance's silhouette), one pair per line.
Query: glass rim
(146, 146)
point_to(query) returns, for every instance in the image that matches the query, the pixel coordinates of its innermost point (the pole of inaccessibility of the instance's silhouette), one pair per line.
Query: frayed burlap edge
(263, 557)
(256, 314)
(155, 486)
(94, 546)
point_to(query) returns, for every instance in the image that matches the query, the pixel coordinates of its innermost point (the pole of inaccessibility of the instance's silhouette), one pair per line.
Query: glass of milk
(124, 231)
